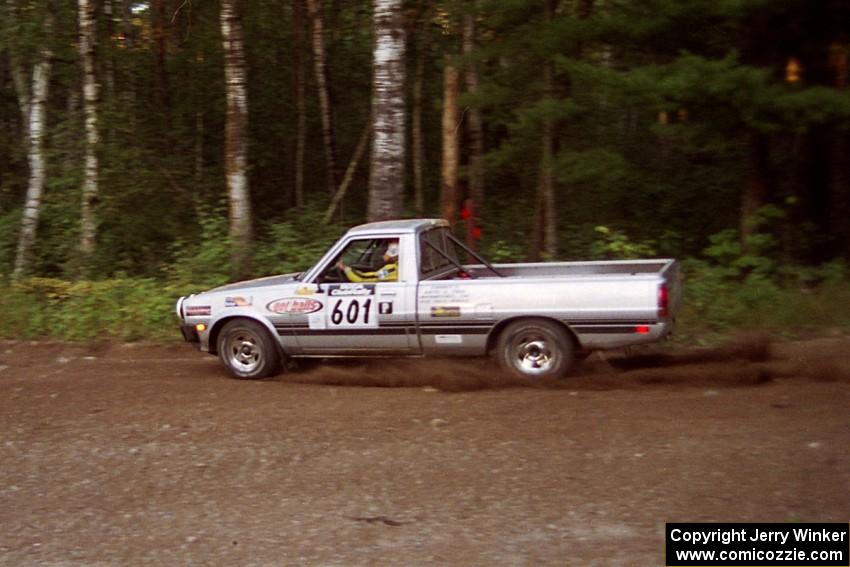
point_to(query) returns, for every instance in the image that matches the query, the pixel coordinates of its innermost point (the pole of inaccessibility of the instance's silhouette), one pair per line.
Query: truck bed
(577, 269)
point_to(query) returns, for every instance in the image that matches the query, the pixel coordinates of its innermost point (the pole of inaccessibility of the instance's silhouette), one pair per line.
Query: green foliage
(120, 309)
(596, 167)
(9, 224)
(294, 245)
(716, 304)
(756, 256)
(616, 245)
(128, 309)
(280, 247)
(205, 258)
(504, 251)
(750, 286)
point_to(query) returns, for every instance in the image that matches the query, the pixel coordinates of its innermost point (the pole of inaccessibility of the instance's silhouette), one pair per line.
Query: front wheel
(247, 350)
(535, 349)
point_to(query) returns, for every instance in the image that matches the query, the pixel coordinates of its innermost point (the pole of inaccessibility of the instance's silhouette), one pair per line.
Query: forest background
(154, 148)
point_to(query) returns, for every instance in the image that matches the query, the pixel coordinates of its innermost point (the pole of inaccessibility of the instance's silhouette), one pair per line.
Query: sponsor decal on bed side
(444, 294)
(301, 305)
(445, 311)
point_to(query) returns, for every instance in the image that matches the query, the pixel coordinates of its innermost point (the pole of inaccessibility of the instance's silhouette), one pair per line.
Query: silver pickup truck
(537, 319)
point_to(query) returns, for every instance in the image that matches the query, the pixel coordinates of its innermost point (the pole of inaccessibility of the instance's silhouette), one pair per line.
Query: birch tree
(88, 34)
(386, 177)
(35, 187)
(235, 133)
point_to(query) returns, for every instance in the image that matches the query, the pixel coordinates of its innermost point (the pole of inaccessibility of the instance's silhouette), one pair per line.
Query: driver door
(369, 317)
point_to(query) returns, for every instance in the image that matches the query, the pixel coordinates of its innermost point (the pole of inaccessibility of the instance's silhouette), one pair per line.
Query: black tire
(247, 350)
(536, 349)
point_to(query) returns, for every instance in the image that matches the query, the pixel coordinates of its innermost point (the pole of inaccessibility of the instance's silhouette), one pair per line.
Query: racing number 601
(352, 313)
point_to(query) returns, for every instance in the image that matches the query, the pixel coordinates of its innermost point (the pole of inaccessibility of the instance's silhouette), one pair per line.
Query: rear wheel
(247, 350)
(535, 349)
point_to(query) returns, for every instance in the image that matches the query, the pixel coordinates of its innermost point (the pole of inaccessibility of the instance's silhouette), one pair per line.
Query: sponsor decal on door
(295, 305)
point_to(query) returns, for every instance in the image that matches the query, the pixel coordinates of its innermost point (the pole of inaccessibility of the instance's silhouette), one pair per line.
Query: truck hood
(259, 282)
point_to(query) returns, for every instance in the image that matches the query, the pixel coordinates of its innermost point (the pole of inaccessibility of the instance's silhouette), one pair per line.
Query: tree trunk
(325, 99)
(386, 177)
(544, 238)
(839, 181)
(349, 171)
(299, 79)
(127, 32)
(546, 228)
(127, 80)
(36, 127)
(109, 60)
(755, 190)
(449, 169)
(840, 160)
(474, 123)
(417, 137)
(235, 134)
(200, 101)
(88, 33)
(199, 146)
(163, 88)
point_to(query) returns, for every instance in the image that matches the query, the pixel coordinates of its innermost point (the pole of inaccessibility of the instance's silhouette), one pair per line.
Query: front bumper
(190, 335)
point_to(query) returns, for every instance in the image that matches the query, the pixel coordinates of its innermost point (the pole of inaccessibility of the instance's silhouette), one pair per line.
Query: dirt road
(150, 455)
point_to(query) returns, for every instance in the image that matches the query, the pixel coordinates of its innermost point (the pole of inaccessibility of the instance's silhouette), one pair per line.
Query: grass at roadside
(113, 310)
(717, 307)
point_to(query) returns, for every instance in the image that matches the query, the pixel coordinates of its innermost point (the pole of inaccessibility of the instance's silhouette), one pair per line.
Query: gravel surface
(151, 455)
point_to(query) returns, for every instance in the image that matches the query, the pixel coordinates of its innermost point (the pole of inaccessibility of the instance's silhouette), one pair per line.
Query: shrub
(750, 287)
(294, 245)
(119, 309)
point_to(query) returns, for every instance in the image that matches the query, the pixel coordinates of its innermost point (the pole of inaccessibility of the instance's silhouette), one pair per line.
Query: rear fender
(493, 337)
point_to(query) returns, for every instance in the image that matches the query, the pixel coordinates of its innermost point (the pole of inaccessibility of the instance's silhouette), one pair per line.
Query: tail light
(663, 301)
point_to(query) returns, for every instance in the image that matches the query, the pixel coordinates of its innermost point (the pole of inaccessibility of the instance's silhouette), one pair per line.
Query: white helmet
(392, 249)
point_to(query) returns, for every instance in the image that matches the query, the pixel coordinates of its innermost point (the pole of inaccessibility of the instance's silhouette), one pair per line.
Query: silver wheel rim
(243, 351)
(532, 355)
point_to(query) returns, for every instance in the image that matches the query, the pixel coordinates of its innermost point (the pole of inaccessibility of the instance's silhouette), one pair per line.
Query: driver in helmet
(386, 273)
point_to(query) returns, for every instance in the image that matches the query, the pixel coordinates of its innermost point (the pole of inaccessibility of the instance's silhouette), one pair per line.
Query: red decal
(294, 305)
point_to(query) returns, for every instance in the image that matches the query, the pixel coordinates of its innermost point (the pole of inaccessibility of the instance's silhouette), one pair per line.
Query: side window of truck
(433, 264)
(364, 260)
